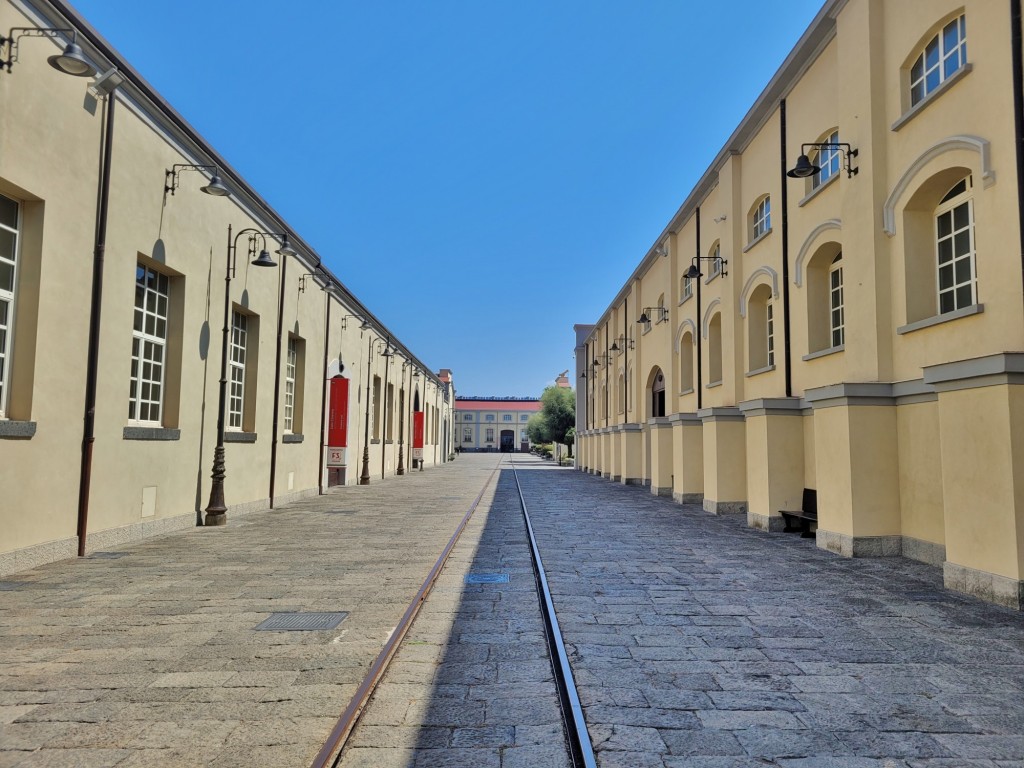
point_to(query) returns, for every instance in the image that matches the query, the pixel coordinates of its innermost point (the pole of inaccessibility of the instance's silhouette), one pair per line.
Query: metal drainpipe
(699, 324)
(92, 364)
(1017, 58)
(323, 396)
(385, 412)
(625, 365)
(785, 251)
(277, 379)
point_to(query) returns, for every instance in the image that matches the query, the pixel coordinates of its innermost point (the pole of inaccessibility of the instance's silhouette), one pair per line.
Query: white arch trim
(707, 316)
(755, 280)
(951, 144)
(798, 268)
(687, 323)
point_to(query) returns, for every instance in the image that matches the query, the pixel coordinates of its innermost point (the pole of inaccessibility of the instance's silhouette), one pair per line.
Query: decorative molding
(798, 266)
(707, 316)
(928, 322)
(752, 281)
(687, 323)
(950, 144)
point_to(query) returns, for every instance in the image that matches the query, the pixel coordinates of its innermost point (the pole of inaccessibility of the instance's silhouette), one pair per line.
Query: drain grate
(301, 622)
(106, 555)
(487, 578)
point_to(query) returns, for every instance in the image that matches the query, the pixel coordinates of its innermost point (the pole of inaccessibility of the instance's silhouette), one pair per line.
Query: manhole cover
(487, 578)
(106, 555)
(301, 622)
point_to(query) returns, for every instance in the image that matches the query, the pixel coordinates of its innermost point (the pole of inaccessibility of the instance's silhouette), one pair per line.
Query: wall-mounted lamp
(624, 342)
(647, 315)
(694, 272)
(363, 325)
(661, 250)
(71, 62)
(598, 358)
(804, 166)
(215, 187)
(314, 274)
(720, 219)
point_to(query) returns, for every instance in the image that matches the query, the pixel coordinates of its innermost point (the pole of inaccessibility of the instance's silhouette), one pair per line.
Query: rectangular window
(837, 320)
(524, 417)
(291, 363)
(770, 326)
(236, 367)
(376, 407)
(506, 417)
(762, 220)
(489, 417)
(9, 226)
(389, 413)
(687, 287)
(955, 241)
(149, 345)
(828, 160)
(468, 417)
(490, 434)
(467, 435)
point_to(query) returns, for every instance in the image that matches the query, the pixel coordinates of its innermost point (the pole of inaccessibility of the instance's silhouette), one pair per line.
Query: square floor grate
(486, 578)
(301, 622)
(106, 555)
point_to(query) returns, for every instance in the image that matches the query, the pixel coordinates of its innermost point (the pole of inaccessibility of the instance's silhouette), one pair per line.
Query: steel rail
(330, 752)
(580, 748)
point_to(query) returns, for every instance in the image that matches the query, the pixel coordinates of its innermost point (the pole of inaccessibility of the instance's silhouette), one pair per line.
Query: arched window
(686, 363)
(761, 329)
(940, 58)
(827, 159)
(656, 388)
(836, 312)
(715, 349)
(761, 218)
(954, 243)
(622, 392)
(685, 289)
(715, 265)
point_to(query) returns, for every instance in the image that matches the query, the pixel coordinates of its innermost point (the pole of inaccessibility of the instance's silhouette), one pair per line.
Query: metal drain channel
(343, 728)
(580, 747)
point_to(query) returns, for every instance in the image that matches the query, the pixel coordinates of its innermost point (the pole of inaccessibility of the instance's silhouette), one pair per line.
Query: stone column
(659, 432)
(775, 460)
(687, 458)
(725, 461)
(615, 452)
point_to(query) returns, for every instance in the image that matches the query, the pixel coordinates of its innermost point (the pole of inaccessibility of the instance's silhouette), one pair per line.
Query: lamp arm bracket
(16, 33)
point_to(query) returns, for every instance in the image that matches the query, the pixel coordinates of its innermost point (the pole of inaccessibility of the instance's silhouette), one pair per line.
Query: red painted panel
(337, 423)
(417, 429)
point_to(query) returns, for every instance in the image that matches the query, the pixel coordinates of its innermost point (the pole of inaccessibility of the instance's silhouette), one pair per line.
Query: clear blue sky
(482, 174)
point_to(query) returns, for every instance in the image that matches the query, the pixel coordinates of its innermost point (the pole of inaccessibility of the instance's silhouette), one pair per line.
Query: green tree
(558, 408)
(570, 439)
(537, 429)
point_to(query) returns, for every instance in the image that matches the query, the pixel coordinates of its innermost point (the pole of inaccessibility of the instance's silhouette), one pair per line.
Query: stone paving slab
(698, 642)
(471, 684)
(151, 659)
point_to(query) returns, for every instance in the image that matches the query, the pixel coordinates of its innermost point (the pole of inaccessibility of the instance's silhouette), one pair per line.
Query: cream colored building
(857, 332)
(494, 423)
(112, 321)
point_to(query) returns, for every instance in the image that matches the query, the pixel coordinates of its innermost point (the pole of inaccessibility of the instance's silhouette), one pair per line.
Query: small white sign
(337, 457)
(417, 454)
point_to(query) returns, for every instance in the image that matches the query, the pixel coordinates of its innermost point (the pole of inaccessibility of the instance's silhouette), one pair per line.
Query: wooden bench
(801, 519)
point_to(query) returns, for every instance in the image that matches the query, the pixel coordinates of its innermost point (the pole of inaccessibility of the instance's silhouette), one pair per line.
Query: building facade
(135, 310)
(494, 423)
(838, 306)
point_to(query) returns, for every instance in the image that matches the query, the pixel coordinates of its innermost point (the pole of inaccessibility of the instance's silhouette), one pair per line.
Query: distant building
(493, 423)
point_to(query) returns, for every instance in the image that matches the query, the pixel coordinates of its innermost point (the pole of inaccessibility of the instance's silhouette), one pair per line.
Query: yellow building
(134, 309)
(857, 326)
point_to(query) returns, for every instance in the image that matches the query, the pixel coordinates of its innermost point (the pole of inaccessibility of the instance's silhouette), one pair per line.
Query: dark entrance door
(508, 441)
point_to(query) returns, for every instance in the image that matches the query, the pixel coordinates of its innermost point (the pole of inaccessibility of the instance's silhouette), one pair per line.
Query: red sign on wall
(337, 423)
(417, 435)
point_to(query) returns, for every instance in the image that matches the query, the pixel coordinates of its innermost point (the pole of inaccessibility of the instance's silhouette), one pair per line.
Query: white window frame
(948, 208)
(836, 303)
(7, 298)
(467, 435)
(950, 56)
(490, 435)
(828, 159)
(236, 370)
(290, 366)
(149, 346)
(506, 417)
(761, 218)
(769, 328)
(716, 262)
(687, 288)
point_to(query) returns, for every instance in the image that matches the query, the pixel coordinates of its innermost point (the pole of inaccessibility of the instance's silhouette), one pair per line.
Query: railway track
(577, 737)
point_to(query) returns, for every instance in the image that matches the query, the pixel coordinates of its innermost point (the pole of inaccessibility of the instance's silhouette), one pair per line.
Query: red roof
(497, 405)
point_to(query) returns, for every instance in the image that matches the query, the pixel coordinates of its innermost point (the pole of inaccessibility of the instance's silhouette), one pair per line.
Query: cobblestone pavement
(151, 659)
(700, 643)
(471, 684)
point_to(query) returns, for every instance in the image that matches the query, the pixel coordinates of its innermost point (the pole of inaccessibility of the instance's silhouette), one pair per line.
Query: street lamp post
(364, 476)
(401, 418)
(216, 510)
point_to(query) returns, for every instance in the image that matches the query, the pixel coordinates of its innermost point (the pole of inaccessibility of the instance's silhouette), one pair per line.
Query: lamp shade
(285, 249)
(692, 273)
(216, 187)
(263, 260)
(644, 319)
(72, 62)
(804, 168)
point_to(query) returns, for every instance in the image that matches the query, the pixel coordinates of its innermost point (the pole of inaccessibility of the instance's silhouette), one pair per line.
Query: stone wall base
(770, 523)
(860, 546)
(633, 481)
(39, 554)
(616, 478)
(924, 551)
(662, 491)
(725, 507)
(688, 498)
(292, 496)
(990, 587)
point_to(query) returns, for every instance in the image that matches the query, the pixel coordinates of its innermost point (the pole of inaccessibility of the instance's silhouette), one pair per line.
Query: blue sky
(482, 174)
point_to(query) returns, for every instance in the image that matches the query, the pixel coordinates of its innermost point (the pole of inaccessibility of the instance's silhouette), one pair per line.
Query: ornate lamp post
(216, 510)
(364, 476)
(401, 419)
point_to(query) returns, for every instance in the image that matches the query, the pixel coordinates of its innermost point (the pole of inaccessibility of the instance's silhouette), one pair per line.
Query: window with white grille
(149, 345)
(290, 365)
(236, 366)
(10, 220)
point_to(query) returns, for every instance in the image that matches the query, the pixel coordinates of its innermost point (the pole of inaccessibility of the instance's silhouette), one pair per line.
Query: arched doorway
(656, 394)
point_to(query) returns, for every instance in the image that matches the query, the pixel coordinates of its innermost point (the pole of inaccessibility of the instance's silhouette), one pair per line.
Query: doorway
(508, 441)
